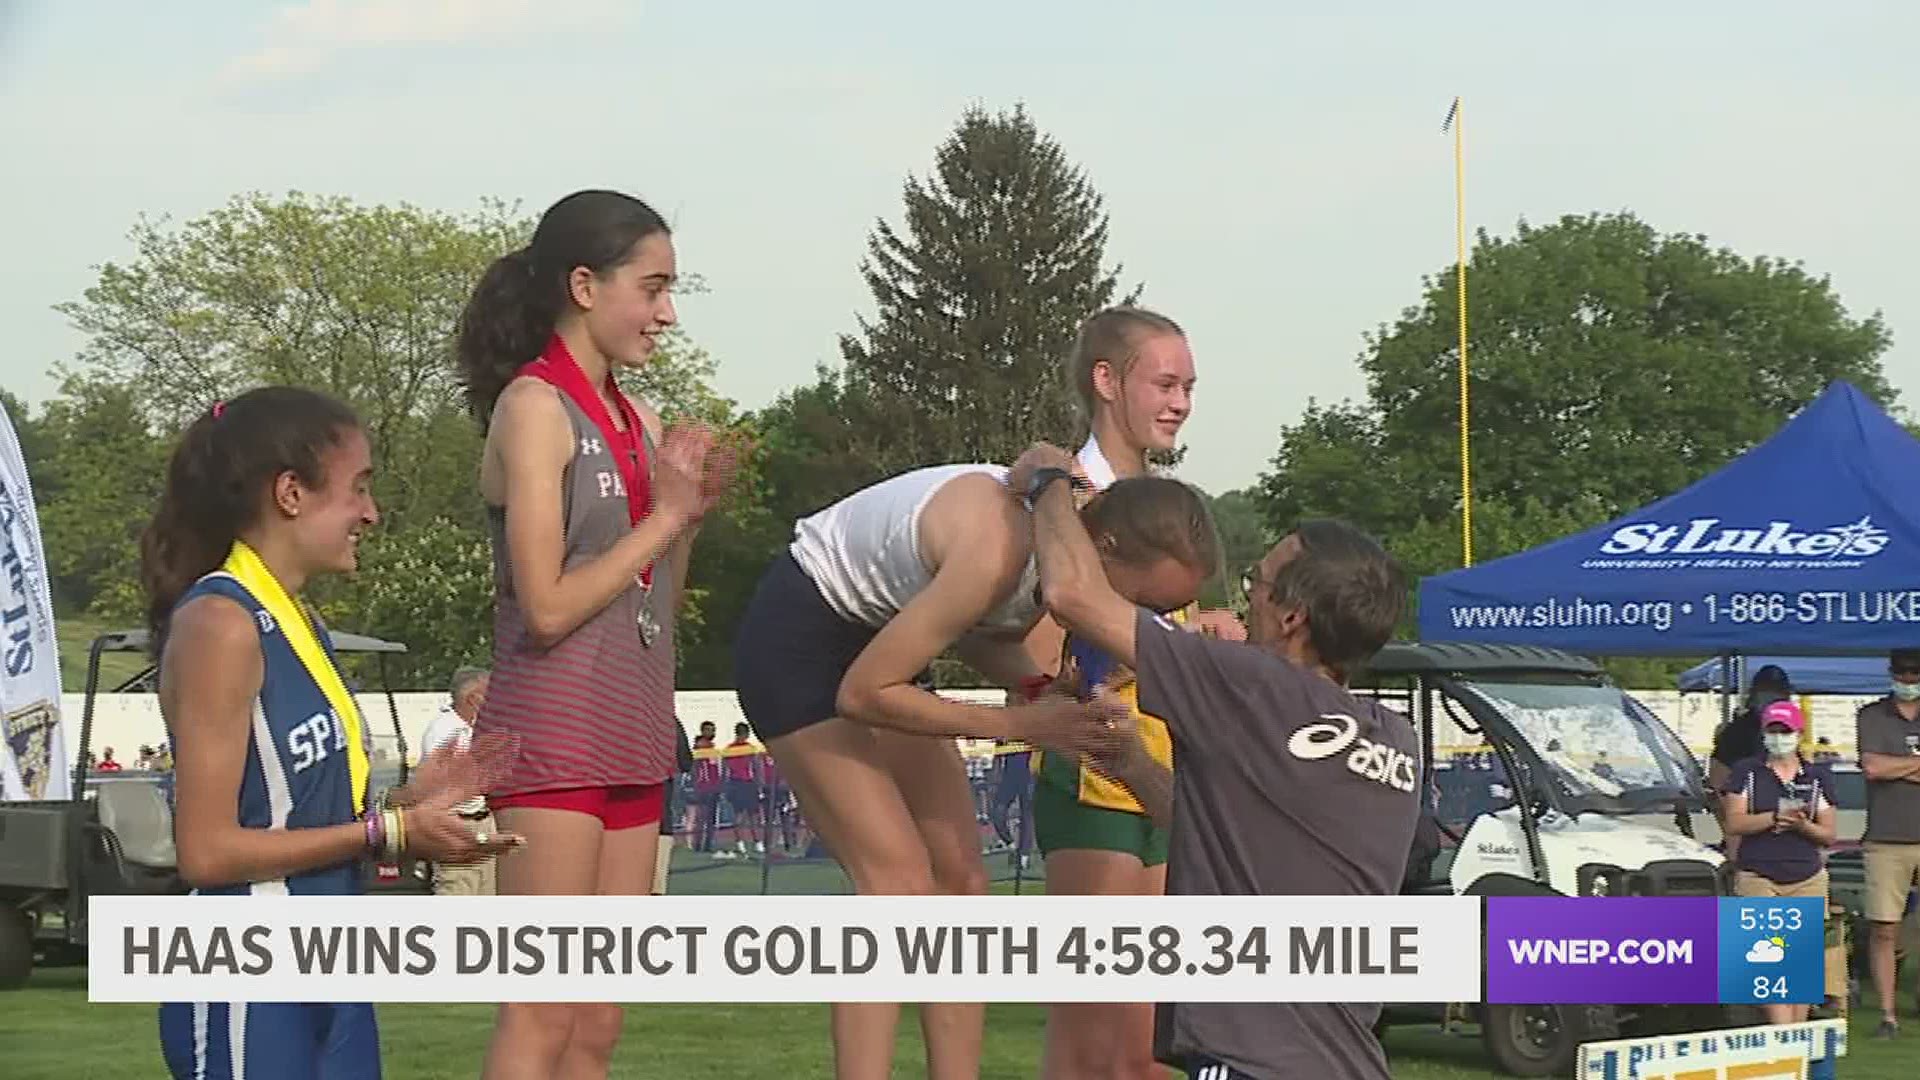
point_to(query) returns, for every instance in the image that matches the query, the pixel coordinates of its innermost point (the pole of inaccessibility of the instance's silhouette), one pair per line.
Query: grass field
(76, 633)
(50, 1032)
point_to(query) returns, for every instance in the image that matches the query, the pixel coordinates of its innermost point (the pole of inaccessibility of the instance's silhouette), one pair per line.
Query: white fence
(127, 721)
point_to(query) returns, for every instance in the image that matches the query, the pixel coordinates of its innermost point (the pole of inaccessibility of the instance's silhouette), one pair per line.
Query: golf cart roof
(136, 641)
(1467, 658)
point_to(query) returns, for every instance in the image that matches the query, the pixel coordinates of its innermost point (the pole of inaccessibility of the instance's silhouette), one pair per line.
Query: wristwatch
(1041, 479)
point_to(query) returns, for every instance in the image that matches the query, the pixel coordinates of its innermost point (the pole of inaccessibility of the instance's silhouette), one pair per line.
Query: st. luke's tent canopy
(1808, 543)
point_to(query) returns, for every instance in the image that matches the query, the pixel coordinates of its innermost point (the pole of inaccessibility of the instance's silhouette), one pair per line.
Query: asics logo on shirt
(1366, 759)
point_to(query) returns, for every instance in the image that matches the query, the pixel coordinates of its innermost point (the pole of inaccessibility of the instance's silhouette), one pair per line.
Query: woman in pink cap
(1783, 813)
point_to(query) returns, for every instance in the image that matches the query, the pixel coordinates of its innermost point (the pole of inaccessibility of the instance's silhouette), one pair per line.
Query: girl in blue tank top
(263, 494)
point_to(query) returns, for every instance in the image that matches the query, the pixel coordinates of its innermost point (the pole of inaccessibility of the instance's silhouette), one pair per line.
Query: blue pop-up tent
(1809, 674)
(1809, 544)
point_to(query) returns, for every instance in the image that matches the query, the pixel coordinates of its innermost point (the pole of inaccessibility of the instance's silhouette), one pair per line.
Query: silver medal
(649, 626)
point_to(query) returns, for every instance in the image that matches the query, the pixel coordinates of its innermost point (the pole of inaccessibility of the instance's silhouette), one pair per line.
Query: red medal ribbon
(1033, 687)
(558, 367)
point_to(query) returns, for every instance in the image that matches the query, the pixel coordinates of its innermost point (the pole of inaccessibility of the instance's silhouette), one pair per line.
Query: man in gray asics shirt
(1269, 794)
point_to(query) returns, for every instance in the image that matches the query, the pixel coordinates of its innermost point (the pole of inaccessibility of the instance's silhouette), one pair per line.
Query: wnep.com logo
(1708, 543)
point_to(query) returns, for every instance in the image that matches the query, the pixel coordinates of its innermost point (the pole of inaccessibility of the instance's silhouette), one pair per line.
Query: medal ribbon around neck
(251, 571)
(557, 367)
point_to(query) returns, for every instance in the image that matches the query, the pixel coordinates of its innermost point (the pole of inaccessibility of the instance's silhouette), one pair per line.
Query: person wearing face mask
(1739, 739)
(1781, 809)
(1888, 735)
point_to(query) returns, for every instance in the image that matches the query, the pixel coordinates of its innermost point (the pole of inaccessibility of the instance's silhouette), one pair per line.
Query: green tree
(34, 444)
(979, 296)
(95, 487)
(678, 378)
(429, 587)
(1610, 365)
(359, 301)
(1244, 540)
(807, 452)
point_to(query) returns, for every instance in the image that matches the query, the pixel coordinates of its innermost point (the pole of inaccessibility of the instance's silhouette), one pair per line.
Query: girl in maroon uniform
(592, 509)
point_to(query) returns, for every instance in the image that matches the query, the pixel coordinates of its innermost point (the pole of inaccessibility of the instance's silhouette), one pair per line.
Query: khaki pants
(1748, 883)
(476, 879)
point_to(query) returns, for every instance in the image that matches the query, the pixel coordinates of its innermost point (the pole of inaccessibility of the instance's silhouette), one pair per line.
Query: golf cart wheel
(16, 948)
(1543, 1040)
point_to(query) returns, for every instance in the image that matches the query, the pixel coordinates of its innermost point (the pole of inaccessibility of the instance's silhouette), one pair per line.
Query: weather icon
(1767, 951)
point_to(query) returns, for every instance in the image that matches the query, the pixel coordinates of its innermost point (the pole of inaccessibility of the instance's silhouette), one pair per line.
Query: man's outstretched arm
(1073, 584)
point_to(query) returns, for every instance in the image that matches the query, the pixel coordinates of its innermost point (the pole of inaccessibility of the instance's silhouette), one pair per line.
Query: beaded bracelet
(376, 829)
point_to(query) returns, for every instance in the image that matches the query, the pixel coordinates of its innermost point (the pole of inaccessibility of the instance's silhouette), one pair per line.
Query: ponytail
(506, 323)
(192, 527)
(217, 480)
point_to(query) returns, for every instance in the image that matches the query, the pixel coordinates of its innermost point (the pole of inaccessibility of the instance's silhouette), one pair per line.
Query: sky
(1276, 178)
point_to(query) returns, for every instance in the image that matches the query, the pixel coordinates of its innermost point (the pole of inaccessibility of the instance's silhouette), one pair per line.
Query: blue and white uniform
(296, 776)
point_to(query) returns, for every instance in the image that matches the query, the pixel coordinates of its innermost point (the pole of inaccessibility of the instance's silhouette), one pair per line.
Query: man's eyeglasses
(1249, 578)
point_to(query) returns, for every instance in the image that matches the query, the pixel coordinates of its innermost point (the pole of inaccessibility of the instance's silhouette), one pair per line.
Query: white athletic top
(863, 552)
(1095, 464)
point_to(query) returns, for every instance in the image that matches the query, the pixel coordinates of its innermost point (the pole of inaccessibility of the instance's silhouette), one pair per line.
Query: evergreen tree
(979, 297)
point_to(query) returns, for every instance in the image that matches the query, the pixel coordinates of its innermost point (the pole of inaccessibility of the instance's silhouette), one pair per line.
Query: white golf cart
(1578, 790)
(115, 835)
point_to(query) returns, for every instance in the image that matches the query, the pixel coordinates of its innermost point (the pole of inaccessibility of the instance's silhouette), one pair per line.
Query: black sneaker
(1888, 1029)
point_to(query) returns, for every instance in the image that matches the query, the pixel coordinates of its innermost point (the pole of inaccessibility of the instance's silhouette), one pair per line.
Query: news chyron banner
(794, 949)
(1705, 950)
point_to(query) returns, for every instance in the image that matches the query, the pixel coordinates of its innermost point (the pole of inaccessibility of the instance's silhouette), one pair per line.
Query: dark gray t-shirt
(1284, 785)
(1893, 806)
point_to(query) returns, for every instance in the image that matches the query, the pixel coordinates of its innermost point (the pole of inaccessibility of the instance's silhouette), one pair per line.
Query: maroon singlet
(596, 710)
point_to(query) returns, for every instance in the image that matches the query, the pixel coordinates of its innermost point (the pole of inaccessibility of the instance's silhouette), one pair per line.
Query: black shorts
(791, 652)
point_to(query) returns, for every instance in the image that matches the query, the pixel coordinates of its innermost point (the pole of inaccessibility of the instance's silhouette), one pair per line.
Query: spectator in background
(670, 821)
(741, 785)
(107, 764)
(145, 761)
(778, 793)
(1013, 783)
(706, 786)
(454, 727)
(1784, 814)
(1739, 739)
(1888, 737)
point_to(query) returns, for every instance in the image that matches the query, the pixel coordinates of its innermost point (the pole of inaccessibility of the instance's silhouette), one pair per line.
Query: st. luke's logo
(29, 734)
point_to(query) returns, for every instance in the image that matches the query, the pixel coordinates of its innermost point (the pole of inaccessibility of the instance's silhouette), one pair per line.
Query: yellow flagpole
(1460, 279)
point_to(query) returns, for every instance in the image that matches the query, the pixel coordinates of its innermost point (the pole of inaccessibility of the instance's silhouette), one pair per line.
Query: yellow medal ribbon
(251, 571)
